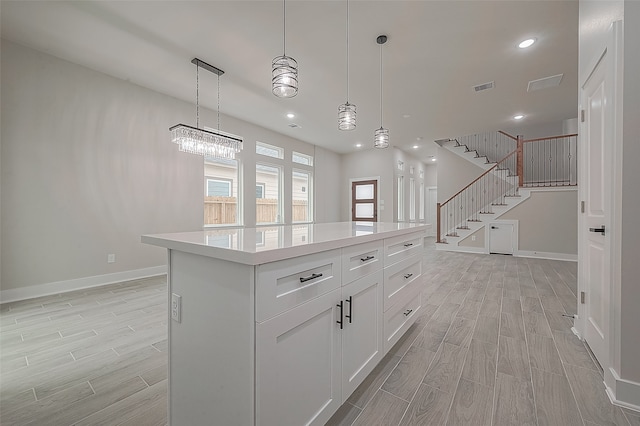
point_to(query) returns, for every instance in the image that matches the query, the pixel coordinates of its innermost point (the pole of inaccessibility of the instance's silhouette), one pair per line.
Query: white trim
(546, 255)
(463, 249)
(30, 292)
(624, 393)
(514, 235)
(551, 188)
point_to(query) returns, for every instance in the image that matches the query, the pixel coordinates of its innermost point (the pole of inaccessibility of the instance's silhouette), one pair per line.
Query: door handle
(312, 277)
(350, 302)
(366, 259)
(600, 230)
(341, 321)
(494, 227)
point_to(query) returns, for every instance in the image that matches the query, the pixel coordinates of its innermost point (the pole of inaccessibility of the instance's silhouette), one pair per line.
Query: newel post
(438, 222)
(520, 160)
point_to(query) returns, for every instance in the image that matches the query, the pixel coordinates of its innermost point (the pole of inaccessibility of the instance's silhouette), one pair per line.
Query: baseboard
(462, 249)
(546, 255)
(623, 393)
(30, 292)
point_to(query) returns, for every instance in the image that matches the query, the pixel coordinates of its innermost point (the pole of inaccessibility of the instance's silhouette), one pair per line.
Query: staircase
(502, 186)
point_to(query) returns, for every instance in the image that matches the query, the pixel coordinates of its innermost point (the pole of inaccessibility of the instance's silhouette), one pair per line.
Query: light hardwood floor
(491, 347)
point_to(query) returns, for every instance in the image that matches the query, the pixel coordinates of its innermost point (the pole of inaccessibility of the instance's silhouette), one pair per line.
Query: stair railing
(492, 145)
(477, 198)
(551, 161)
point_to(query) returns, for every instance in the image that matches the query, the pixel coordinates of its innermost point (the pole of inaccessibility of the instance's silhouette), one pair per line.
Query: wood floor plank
(513, 358)
(558, 322)
(446, 313)
(593, 402)
(472, 405)
(345, 416)
(429, 406)
(535, 323)
(368, 388)
(543, 354)
(469, 308)
(514, 403)
(480, 364)
(407, 376)
(555, 404)
(490, 308)
(460, 332)
(384, 409)
(531, 304)
(572, 350)
(486, 329)
(512, 326)
(445, 369)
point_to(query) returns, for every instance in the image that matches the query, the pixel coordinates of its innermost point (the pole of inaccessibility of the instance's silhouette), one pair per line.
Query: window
(218, 188)
(421, 199)
(421, 174)
(220, 192)
(400, 188)
(307, 160)
(269, 207)
(260, 190)
(364, 201)
(400, 165)
(269, 150)
(411, 169)
(301, 198)
(412, 199)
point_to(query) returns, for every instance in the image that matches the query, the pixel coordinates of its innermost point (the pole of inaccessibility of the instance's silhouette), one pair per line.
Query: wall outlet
(176, 307)
(111, 258)
(473, 238)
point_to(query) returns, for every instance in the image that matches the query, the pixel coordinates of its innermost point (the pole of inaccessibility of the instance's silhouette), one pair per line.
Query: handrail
(478, 178)
(508, 135)
(550, 137)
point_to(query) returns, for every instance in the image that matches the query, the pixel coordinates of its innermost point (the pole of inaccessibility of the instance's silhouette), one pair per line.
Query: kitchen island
(279, 325)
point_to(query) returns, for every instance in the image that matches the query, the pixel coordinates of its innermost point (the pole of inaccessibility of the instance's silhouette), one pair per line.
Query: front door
(596, 174)
(364, 200)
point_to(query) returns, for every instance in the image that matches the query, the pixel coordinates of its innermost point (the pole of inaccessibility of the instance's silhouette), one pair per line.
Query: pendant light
(381, 136)
(347, 111)
(210, 143)
(284, 69)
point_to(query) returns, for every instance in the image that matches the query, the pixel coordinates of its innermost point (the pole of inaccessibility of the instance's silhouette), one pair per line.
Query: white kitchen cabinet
(260, 340)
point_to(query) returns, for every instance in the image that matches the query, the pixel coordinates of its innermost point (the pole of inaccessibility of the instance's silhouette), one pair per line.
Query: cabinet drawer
(402, 247)
(401, 278)
(285, 284)
(361, 260)
(400, 317)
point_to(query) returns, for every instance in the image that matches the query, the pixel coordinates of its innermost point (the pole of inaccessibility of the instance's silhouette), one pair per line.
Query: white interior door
(596, 181)
(501, 238)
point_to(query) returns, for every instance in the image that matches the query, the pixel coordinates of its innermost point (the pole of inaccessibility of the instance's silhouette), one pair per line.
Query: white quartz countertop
(255, 246)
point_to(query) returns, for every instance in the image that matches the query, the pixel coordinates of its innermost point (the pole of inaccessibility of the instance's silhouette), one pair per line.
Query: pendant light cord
(347, 51)
(381, 78)
(218, 101)
(284, 27)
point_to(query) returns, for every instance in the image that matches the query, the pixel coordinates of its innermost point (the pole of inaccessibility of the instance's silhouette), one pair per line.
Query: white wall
(87, 168)
(454, 173)
(537, 130)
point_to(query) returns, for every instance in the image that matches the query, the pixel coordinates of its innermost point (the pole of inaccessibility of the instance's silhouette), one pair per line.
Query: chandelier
(381, 136)
(284, 69)
(347, 111)
(210, 143)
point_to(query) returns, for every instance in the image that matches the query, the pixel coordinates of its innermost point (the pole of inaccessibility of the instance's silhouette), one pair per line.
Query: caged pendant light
(347, 111)
(210, 143)
(284, 69)
(381, 136)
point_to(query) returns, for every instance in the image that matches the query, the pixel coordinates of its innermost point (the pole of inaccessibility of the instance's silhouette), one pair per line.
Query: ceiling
(436, 52)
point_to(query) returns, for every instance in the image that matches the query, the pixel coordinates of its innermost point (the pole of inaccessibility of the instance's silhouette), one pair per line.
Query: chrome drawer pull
(312, 277)
(406, 314)
(366, 259)
(406, 277)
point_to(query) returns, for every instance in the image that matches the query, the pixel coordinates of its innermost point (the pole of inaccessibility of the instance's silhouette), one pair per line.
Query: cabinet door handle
(408, 244)
(366, 259)
(406, 314)
(406, 277)
(341, 306)
(350, 302)
(312, 277)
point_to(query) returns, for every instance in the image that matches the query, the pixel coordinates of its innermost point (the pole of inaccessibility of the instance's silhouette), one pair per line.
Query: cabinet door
(362, 334)
(298, 364)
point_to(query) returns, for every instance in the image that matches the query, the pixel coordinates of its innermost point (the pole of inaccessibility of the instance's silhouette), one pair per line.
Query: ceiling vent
(485, 86)
(544, 83)
(294, 126)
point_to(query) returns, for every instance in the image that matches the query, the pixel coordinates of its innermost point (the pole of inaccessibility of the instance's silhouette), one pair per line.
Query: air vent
(544, 83)
(485, 86)
(294, 126)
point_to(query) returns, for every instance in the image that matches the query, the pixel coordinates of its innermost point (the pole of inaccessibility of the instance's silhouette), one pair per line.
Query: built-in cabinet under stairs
(504, 183)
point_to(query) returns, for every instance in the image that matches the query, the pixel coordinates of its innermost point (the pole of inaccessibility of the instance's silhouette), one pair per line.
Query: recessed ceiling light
(416, 147)
(433, 159)
(358, 145)
(526, 43)
(518, 117)
(406, 116)
(419, 138)
(291, 115)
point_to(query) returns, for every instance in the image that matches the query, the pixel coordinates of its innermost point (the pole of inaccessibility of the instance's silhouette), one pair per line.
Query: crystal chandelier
(347, 111)
(210, 143)
(381, 136)
(284, 69)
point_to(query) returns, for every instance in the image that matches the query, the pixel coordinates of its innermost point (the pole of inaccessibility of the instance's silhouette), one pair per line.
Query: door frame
(350, 195)
(431, 220)
(613, 132)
